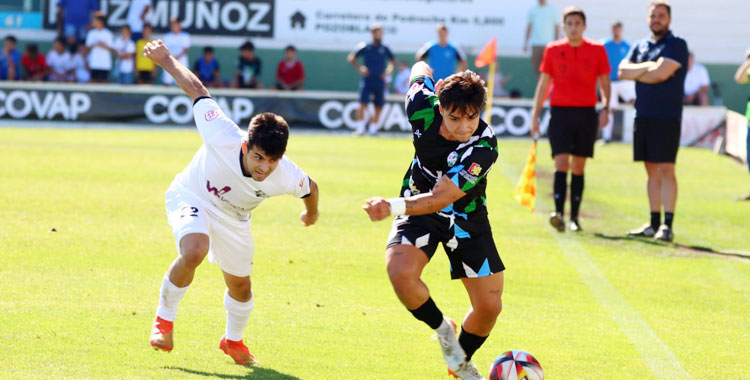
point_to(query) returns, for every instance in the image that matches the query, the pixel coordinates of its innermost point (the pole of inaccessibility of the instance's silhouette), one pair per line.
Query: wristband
(398, 206)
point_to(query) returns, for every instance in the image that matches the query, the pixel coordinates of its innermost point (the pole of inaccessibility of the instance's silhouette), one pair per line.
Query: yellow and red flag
(488, 54)
(526, 187)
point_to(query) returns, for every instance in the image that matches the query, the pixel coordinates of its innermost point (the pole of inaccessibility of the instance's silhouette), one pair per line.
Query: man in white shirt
(543, 27)
(401, 83)
(124, 48)
(696, 83)
(58, 61)
(99, 42)
(178, 42)
(209, 204)
(137, 16)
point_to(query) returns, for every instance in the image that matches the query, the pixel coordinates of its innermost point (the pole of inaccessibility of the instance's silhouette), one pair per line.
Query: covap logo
(211, 114)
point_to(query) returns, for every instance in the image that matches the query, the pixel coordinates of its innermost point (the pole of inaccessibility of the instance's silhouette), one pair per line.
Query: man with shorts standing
(209, 203)
(443, 201)
(742, 76)
(573, 65)
(658, 64)
(379, 63)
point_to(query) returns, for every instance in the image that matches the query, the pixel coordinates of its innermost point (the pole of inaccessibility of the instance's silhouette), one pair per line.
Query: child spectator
(34, 64)
(247, 74)
(178, 43)
(99, 44)
(79, 67)
(290, 73)
(146, 67)
(401, 83)
(58, 60)
(10, 60)
(206, 68)
(124, 51)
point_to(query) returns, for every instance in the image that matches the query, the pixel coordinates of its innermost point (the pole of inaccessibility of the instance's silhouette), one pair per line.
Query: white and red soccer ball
(516, 365)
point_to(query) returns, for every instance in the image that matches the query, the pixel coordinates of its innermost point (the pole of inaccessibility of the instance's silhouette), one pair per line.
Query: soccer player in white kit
(209, 203)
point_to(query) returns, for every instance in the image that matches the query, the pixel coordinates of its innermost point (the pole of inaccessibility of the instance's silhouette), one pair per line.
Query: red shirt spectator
(34, 64)
(290, 74)
(574, 71)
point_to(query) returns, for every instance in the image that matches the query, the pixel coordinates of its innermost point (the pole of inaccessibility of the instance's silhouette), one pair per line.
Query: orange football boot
(161, 335)
(238, 351)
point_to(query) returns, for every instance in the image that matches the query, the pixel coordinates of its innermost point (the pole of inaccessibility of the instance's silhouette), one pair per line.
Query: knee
(242, 292)
(489, 309)
(193, 252)
(401, 278)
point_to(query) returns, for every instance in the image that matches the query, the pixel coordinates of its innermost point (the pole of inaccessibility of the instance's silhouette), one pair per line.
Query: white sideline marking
(734, 277)
(654, 352)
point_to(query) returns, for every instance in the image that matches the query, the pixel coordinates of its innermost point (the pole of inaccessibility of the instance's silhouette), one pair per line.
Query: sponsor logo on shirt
(219, 193)
(211, 114)
(475, 169)
(468, 177)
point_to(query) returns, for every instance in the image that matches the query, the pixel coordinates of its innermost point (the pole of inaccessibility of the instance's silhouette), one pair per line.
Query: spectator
(99, 45)
(58, 61)
(74, 17)
(10, 60)
(379, 63)
(290, 73)
(247, 74)
(617, 50)
(178, 43)
(124, 48)
(742, 76)
(401, 83)
(34, 64)
(498, 86)
(443, 56)
(696, 83)
(146, 67)
(79, 67)
(542, 28)
(207, 68)
(137, 16)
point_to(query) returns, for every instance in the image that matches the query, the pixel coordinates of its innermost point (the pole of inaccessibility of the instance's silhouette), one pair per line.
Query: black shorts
(101, 75)
(656, 140)
(145, 76)
(471, 254)
(572, 130)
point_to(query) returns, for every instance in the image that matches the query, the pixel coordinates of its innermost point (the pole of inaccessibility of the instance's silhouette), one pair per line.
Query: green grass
(78, 302)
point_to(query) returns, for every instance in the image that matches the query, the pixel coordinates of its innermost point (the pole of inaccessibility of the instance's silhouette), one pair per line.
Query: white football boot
(468, 371)
(453, 353)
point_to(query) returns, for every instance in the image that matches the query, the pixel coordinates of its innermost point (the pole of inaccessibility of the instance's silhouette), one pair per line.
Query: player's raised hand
(377, 208)
(308, 219)
(156, 51)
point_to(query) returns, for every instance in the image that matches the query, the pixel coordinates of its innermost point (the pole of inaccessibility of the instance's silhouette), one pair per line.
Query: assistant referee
(572, 65)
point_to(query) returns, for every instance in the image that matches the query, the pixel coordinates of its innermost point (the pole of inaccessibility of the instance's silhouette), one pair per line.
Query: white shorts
(231, 244)
(624, 89)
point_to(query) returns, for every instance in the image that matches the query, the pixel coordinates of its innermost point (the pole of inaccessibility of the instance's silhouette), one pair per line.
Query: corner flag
(488, 56)
(526, 188)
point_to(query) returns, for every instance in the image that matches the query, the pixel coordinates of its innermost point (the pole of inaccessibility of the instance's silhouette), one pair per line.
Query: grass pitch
(84, 244)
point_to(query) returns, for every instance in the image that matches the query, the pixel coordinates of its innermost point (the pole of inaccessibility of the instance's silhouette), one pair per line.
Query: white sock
(237, 315)
(373, 128)
(169, 298)
(445, 325)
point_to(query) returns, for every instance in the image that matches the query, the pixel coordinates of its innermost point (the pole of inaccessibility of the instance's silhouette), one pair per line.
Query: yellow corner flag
(526, 188)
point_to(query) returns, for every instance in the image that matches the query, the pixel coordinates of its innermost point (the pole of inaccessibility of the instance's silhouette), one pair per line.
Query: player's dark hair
(441, 26)
(32, 48)
(102, 18)
(617, 24)
(247, 46)
(290, 48)
(60, 40)
(463, 92)
(269, 132)
(208, 49)
(126, 26)
(571, 11)
(11, 38)
(661, 3)
(147, 25)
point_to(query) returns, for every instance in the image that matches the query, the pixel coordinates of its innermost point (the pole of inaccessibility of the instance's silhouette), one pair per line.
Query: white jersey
(215, 175)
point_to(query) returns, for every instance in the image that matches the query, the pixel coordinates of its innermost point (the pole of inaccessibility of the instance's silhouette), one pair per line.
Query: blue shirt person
(617, 50)
(442, 56)
(10, 57)
(73, 16)
(378, 64)
(206, 68)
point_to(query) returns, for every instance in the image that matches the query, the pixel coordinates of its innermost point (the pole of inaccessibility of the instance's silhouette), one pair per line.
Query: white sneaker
(453, 353)
(468, 371)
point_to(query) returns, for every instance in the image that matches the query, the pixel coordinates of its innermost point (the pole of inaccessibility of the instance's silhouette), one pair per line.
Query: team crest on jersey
(475, 169)
(452, 158)
(260, 194)
(211, 114)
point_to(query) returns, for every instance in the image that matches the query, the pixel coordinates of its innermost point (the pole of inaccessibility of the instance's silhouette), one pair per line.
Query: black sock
(470, 343)
(668, 217)
(655, 219)
(576, 194)
(560, 187)
(429, 314)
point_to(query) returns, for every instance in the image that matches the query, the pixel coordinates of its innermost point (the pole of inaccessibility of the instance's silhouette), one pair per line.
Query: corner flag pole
(490, 92)
(488, 56)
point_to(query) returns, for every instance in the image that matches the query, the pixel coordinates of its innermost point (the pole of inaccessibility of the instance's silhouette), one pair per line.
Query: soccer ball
(516, 365)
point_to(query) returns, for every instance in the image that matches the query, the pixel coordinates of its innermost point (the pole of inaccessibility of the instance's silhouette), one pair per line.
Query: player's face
(659, 20)
(460, 125)
(259, 164)
(574, 27)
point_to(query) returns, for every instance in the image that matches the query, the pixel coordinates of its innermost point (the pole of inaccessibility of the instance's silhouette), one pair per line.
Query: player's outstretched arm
(310, 215)
(443, 194)
(742, 76)
(188, 82)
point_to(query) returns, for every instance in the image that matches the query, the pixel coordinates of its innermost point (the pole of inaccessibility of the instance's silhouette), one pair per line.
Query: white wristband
(398, 206)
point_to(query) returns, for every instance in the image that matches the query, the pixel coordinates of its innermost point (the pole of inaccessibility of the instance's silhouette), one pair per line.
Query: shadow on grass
(690, 248)
(254, 373)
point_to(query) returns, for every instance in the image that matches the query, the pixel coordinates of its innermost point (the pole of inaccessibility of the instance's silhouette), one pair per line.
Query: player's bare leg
(668, 199)
(238, 301)
(405, 264)
(374, 120)
(577, 166)
(653, 186)
(193, 249)
(361, 113)
(560, 189)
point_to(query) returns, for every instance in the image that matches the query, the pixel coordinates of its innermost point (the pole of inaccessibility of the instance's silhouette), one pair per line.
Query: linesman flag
(526, 187)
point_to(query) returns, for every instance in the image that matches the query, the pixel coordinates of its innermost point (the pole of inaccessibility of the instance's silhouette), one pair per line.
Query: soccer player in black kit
(442, 201)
